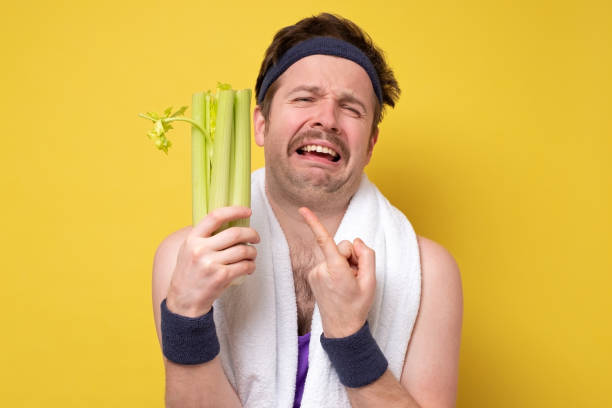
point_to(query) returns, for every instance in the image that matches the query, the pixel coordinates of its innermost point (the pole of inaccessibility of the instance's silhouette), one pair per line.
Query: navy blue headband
(320, 46)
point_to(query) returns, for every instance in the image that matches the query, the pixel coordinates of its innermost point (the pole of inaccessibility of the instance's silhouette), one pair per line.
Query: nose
(325, 117)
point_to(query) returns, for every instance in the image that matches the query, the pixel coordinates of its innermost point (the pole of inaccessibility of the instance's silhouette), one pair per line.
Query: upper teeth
(319, 149)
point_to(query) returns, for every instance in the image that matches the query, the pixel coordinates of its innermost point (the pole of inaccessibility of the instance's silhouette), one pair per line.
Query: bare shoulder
(437, 260)
(164, 263)
(431, 366)
(172, 242)
(165, 256)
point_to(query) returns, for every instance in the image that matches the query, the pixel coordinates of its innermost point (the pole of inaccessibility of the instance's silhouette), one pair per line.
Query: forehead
(329, 73)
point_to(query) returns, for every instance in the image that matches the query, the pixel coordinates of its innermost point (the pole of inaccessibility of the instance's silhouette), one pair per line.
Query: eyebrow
(344, 96)
(309, 88)
(351, 99)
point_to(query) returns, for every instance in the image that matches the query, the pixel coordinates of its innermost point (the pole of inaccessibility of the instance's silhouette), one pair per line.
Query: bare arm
(344, 285)
(181, 269)
(430, 373)
(384, 392)
(431, 367)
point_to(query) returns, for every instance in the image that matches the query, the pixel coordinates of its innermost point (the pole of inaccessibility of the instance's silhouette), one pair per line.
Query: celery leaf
(179, 112)
(154, 116)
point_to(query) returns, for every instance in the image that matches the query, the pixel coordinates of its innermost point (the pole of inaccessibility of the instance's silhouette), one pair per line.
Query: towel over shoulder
(257, 321)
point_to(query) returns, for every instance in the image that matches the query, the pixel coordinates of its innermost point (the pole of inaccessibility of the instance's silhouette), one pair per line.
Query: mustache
(321, 135)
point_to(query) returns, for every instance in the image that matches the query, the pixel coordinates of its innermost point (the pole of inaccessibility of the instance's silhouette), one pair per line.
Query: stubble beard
(303, 188)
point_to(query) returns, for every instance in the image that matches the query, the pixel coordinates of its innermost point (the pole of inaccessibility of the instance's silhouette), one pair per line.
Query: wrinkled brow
(309, 88)
(344, 96)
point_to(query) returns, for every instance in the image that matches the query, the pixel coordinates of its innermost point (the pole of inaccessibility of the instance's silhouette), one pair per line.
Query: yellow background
(498, 149)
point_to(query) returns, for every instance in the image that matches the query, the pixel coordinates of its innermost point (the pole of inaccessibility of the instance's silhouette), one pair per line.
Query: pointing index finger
(325, 241)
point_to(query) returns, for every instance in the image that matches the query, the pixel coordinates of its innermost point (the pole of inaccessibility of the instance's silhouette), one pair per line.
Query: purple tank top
(302, 369)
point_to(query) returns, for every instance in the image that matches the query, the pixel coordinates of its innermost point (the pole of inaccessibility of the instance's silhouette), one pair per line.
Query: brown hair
(328, 25)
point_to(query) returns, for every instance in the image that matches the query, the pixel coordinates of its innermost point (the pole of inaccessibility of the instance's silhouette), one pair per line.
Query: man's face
(318, 137)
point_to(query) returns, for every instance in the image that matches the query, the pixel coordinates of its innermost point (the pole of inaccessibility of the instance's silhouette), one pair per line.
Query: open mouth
(319, 151)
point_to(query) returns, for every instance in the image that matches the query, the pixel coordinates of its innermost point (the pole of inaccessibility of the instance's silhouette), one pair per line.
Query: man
(320, 92)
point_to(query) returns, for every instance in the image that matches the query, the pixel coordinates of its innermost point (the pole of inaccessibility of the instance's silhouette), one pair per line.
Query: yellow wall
(499, 150)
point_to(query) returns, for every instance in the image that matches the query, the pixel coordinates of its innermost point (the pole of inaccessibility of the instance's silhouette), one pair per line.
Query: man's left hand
(344, 283)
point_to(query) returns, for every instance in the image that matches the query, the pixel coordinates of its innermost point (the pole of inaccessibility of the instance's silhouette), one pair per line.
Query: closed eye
(303, 99)
(354, 110)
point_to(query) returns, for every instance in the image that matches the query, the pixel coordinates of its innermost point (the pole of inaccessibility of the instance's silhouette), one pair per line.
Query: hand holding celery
(207, 262)
(220, 149)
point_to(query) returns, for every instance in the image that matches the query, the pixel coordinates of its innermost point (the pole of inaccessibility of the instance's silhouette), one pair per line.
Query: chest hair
(303, 259)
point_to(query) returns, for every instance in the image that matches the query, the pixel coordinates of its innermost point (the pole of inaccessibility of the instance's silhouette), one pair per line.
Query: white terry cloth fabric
(257, 321)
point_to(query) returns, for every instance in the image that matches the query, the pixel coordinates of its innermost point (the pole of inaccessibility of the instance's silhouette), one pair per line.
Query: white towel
(257, 321)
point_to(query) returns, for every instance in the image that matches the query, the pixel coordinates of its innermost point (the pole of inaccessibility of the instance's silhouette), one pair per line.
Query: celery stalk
(209, 151)
(222, 143)
(240, 183)
(240, 192)
(220, 149)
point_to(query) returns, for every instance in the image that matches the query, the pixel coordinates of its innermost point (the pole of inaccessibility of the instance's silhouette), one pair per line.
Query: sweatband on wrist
(357, 358)
(320, 46)
(188, 340)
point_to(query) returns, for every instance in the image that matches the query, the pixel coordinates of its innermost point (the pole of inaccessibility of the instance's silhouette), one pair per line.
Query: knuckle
(244, 267)
(193, 253)
(214, 216)
(221, 276)
(233, 234)
(190, 242)
(206, 264)
(322, 240)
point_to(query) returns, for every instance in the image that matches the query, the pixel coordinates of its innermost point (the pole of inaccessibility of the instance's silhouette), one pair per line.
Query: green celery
(240, 184)
(220, 149)
(222, 143)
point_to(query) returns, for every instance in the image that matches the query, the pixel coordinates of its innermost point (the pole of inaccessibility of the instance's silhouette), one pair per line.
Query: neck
(292, 223)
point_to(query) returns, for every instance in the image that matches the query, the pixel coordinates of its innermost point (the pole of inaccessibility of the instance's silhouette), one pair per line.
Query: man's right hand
(206, 263)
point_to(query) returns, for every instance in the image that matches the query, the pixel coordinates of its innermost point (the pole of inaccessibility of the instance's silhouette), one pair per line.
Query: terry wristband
(357, 358)
(188, 340)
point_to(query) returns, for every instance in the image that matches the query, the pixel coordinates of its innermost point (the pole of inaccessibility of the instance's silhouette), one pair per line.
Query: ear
(259, 126)
(371, 143)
